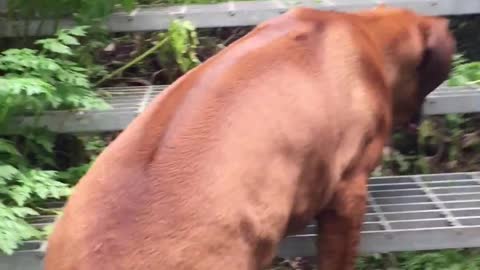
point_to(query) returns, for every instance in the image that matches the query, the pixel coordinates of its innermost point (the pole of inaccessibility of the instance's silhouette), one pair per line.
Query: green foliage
(24, 185)
(33, 81)
(84, 11)
(18, 188)
(464, 73)
(41, 17)
(443, 260)
(179, 54)
(14, 228)
(183, 43)
(370, 263)
(434, 260)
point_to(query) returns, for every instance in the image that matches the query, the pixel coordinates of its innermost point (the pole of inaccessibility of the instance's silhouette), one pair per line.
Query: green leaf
(67, 39)
(78, 31)
(128, 4)
(54, 46)
(464, 73)
(44, 184)
(27, 86)
(23, 211)
(7, 172)
(183, 42)
(13, 227)
(20, 194)
(8, 147)
(42, 139)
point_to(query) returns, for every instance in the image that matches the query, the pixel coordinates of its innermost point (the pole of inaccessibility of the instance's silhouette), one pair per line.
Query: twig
(133, 62)
(474, 82)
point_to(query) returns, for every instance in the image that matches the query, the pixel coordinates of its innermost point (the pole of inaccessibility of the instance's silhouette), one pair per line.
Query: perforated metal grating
(407, 213)
(404, 213)
(128, 102)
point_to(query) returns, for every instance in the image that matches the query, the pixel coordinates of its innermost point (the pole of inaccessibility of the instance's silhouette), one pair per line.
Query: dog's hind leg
(339, 225)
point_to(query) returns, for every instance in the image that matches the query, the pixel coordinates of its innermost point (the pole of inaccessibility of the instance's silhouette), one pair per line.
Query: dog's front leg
(339, 225)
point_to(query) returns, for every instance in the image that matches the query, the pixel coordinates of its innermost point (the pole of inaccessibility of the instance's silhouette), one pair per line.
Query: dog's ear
(438, 53)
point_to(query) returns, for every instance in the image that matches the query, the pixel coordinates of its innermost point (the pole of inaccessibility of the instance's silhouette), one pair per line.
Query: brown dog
(281, 127)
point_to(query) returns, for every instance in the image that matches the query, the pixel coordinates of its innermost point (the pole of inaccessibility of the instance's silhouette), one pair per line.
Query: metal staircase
(127, 102)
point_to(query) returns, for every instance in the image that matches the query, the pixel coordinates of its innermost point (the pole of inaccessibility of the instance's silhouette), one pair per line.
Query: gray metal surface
(3, 5)
(404, 213)
(446, 100)
(127, 102)
(246, 13)
(412, 213)
(29, 257)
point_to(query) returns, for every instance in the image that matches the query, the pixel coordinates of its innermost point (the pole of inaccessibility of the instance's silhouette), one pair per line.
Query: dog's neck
(398, 49)
(388, 36)
(393, 63)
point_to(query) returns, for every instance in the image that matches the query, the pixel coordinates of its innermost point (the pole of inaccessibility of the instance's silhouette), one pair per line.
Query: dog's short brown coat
(283, 126)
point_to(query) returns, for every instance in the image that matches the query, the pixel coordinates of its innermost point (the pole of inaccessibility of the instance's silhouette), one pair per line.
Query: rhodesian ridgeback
(280, 128)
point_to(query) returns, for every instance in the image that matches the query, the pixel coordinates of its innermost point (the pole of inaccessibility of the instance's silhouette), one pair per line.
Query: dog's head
(418, 55)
